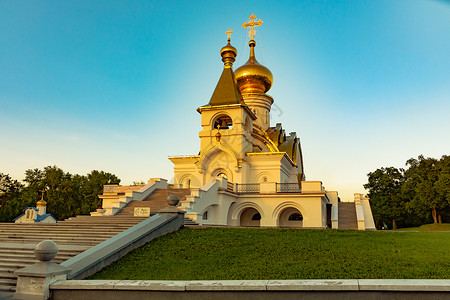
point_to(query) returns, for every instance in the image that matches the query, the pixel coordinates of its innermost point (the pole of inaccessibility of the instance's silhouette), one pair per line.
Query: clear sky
(113, 85)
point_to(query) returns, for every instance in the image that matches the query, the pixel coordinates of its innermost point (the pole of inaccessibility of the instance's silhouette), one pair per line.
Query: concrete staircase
(157, 201)
(347, 216)
(73, 236)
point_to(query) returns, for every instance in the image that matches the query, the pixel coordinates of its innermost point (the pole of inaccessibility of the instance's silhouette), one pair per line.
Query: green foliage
(67, 195)
(245, 253)
(415, 196)
(385, 194)
(9, 188)
(429, 227)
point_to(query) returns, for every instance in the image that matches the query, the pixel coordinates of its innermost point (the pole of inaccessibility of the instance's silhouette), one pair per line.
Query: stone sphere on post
(173, 200)
(46, 250)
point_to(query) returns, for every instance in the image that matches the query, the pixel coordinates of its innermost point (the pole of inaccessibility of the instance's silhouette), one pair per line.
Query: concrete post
(172, 209)
(33, 281)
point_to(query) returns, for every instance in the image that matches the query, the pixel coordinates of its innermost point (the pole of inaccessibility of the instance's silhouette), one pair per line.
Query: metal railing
(247, 188)
(288, 188)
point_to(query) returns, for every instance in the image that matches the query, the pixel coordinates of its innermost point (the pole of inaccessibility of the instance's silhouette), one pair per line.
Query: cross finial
(42, 191)
(228, 33)
(251, 23)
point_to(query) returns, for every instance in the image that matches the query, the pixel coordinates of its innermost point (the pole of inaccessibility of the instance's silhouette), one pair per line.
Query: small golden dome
(41, 203)
(228, 54)
(252, 77)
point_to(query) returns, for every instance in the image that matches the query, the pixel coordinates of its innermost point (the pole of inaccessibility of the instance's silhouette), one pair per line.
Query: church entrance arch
(250, 217)
(290, 217)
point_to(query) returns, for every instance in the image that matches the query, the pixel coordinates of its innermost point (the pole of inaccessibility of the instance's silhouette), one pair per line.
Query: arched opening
(187, 183)
(223, 122)
(290, 217)
(222, 175)
(250, 217)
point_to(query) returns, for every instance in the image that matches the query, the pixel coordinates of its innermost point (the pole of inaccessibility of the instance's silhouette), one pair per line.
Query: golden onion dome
(228, 54)
(41, 203)
(252, 77)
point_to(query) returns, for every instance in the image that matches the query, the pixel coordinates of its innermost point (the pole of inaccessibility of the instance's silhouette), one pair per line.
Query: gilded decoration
(251, 23)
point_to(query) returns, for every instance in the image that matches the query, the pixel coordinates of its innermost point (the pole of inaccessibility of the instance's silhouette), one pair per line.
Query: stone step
(68, 225)
(32, 259)
(13, 255)
(157, 200)
(7, 288)
(116, 218)
(98, 233)
(347, 216)
(5, 268)
(73, 236)
(56, 235)
(40, 237)
(106, 222)
(8, 275)
(61, 230)
(23, 253)
(10, 282)
(58, 242)
(188, 221)
(15, 248)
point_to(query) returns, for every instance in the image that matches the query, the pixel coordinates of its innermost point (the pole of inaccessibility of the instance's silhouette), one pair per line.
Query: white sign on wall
(142, 211)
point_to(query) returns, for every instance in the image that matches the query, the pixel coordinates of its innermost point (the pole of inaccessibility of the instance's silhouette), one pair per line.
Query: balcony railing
(247, 188)
(230, 186)
(288, 188)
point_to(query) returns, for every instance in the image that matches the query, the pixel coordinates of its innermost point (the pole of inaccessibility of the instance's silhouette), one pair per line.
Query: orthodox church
(36, 214)
(248, 171)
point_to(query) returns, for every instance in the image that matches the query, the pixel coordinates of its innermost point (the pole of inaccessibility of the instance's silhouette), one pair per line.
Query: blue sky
(113, 85)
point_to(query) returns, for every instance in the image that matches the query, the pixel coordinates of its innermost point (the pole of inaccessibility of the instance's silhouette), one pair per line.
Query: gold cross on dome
(229, 32)
(252, 25)
(43, 191)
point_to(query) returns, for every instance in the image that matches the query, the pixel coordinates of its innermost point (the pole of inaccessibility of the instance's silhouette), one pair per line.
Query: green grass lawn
(428, 227)
(245, 253)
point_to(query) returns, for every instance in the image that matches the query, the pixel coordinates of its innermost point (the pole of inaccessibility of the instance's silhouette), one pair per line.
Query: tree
(425, 185)
(66, 195)
(385, 195)
(443, 183)
(9, 188)
(92, 186)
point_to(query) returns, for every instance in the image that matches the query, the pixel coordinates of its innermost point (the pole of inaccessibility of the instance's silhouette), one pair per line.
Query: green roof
(226, 91)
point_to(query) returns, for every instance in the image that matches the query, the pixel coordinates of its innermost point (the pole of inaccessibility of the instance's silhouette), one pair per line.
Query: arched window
(295, 217)
(223, 122)
(222, 175)
(256, 217)
(187, 183)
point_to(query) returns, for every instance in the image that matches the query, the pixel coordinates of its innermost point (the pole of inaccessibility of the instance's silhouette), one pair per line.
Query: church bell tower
(227, 124)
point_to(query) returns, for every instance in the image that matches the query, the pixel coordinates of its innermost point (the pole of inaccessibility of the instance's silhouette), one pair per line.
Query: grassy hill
(428, 227)
(246, 253)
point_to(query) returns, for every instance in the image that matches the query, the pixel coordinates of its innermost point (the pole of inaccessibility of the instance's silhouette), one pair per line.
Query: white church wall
(311, 187)
(271, 206)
